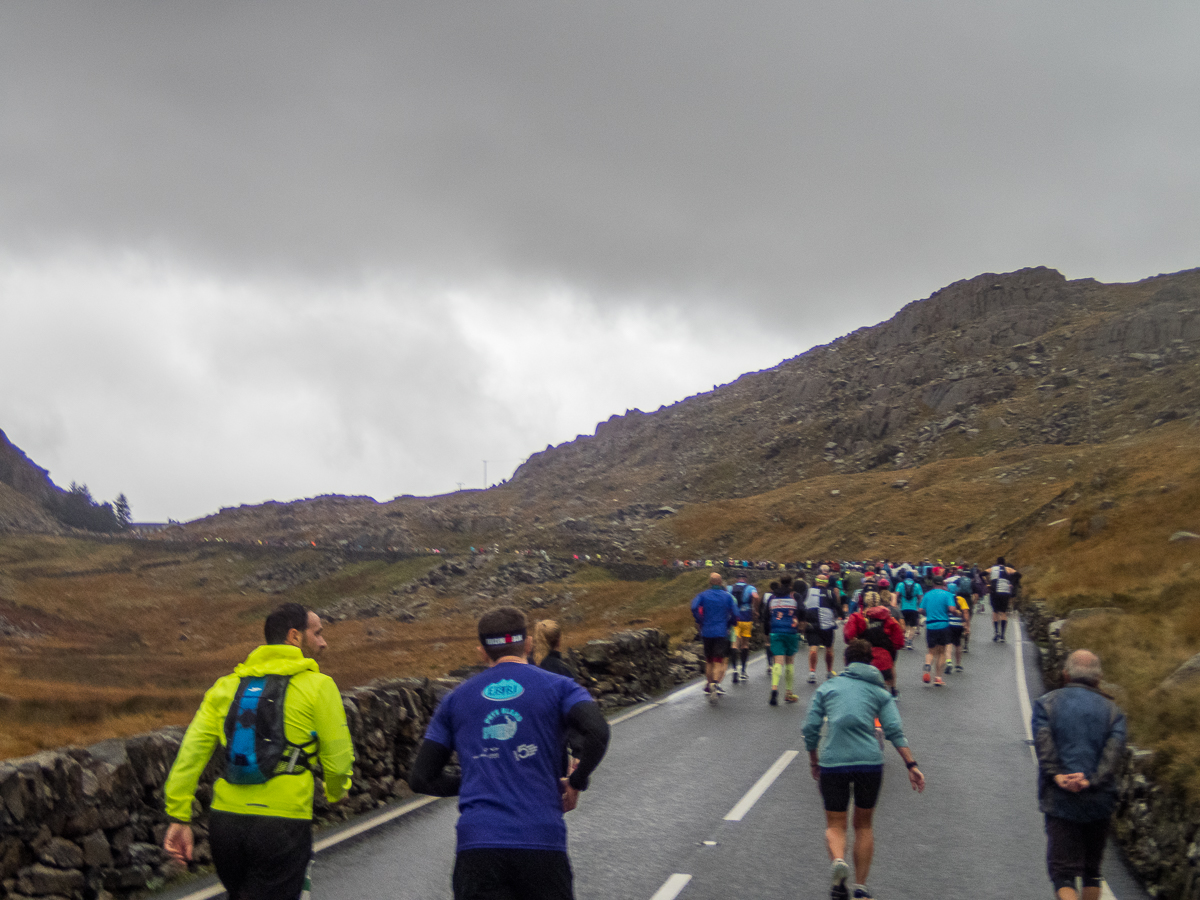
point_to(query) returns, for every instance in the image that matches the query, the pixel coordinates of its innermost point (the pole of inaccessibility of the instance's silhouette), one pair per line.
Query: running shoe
(708, 688)
(1003, 639)
(829, 675)
(720, 690)
(861, 893)
(812, 677)
(937, 682)
(839, 892)
(958, 668)
(791, 698)
(949, 668)
(908, 645)
(735, 677)
(745, 677)
(838, 873)
(995, 638)
(774, 701)
(926, 677)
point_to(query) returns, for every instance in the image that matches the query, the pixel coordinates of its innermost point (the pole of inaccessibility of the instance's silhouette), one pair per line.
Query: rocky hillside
(26, 491)
(992, 363)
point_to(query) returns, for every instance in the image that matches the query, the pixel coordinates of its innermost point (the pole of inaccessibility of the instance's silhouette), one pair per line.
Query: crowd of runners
(882, 608)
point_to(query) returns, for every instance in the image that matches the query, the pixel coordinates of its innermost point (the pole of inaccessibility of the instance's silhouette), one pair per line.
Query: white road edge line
(645, 707)
(672, 887)
(1023, 689)
(355, 830)
(1027, 719)
(744, 805)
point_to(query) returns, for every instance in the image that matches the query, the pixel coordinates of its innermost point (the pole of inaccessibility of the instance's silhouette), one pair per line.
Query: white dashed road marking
(672, 887)
(743, 806)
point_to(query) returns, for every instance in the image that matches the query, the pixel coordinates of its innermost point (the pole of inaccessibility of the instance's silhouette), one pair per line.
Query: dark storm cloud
(292, 248)
(770, 152)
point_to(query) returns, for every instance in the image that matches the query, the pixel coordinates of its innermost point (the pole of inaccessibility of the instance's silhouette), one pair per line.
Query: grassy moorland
(103, 639)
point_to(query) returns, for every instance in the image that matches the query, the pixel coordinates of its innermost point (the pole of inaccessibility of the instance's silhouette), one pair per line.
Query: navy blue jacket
(1078, 729)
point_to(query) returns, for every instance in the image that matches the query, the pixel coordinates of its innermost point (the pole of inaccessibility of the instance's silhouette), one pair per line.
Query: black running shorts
(820, 637)
(1000, 603)
(937, 638)
(912, 617)
(716, 649)
(512, 874)
(835, 789)
(954, 636)
(260, 857)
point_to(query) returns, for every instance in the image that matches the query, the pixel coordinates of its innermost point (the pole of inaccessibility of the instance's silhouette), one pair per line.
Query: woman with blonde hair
(546, 638)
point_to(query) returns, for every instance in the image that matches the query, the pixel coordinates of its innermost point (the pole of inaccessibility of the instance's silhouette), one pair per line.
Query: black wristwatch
(911, 765)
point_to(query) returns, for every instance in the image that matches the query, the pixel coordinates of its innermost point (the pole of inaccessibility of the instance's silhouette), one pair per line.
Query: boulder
(61, 854)
(39, 880)
(1188, 673)
(1089, 611)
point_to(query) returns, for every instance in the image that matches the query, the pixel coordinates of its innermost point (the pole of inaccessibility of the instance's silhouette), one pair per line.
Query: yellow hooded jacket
(312, 706)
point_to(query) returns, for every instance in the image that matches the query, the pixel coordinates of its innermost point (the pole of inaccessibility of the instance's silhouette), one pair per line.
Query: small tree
(121, 509)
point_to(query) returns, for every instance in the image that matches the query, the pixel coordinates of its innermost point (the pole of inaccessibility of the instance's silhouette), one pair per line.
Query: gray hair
(1083, 666)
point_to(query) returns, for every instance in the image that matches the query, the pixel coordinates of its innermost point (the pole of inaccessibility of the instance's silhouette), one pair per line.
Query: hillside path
(657, 824)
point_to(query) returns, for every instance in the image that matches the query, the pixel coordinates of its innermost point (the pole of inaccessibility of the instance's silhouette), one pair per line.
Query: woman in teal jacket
(850, 754)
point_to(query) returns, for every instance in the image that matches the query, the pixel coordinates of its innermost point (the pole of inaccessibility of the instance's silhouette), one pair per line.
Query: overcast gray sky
(270, 250)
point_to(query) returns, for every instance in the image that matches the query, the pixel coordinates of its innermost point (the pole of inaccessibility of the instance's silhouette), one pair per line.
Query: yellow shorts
(744, 629)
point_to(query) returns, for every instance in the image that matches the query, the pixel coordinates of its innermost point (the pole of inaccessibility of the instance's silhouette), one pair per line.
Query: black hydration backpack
(256, 748)
(876, 634)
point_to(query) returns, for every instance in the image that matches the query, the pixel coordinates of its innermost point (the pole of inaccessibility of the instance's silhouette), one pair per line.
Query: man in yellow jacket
(261, 834)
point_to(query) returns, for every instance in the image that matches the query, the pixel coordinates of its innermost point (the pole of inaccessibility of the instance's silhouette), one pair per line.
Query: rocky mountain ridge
(991, 363)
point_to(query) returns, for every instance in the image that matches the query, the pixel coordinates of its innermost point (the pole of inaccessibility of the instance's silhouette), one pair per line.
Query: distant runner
(785, 639)
(910, 593)
(821, 613)
(1000, 591)
(746, 597)
(937, 604)
(715, 613)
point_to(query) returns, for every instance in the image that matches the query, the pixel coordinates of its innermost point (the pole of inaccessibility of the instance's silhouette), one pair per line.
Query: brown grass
(1087, 524)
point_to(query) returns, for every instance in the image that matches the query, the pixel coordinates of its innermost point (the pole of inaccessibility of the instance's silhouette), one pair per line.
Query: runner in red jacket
(874, 623)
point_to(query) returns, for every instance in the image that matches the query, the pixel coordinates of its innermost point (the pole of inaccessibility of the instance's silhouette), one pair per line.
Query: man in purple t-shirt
(509, 725)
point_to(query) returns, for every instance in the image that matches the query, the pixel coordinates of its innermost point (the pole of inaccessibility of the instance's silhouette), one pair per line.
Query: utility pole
(485, 474)
(460, 485)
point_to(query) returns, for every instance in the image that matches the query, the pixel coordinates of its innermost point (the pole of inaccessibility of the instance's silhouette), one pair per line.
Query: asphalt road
(655, 824)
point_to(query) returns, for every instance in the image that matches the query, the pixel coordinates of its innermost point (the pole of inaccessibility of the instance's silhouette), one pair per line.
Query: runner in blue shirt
(715, 613)
(910, 592)
(508, 726)
(937, 604)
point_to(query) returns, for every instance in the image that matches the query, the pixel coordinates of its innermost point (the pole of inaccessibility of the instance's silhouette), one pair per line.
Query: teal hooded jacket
(850, 704)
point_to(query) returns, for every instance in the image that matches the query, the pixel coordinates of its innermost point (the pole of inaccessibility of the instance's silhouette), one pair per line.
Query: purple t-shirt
(508, 725)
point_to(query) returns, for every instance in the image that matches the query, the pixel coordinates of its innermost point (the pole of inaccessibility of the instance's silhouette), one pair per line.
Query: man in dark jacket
(1079, 734)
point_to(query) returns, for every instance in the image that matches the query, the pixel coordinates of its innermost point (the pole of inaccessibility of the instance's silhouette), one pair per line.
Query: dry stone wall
(1158, 831)
(87, 823)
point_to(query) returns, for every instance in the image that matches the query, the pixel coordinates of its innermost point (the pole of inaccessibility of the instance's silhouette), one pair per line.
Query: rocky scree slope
(994, 362)
(26, 492)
